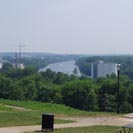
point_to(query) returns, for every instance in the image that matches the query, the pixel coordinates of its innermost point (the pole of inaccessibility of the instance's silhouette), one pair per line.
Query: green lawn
(21, 118)
(53, 108)
(15, 117)
(91, 129)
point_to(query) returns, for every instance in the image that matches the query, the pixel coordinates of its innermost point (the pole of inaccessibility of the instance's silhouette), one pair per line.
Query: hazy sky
(67, 26)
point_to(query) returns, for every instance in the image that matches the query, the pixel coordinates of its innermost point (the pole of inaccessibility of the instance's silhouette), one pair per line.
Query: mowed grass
(9, 116)
(90, 129)
(53, 108)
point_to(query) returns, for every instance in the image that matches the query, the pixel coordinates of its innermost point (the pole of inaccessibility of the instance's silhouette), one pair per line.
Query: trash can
(47, 122)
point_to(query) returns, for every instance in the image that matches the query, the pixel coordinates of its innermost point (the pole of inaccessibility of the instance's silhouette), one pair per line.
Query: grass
(54, 108)
(4, 108)
(90, 129)
(19, 118)
(15, 117)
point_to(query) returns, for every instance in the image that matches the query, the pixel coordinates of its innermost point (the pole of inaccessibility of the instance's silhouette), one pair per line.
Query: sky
(67, 26)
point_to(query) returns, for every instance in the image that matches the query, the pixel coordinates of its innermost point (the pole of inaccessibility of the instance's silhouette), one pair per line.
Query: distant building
(19, 65)
(1, 65)
(101, 69)
(1, 62)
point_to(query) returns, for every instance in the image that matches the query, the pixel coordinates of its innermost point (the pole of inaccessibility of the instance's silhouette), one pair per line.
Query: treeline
(126, 62)
(39, 60)
(78, 92)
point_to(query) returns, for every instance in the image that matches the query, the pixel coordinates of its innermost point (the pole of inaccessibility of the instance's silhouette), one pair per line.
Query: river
(66, 67)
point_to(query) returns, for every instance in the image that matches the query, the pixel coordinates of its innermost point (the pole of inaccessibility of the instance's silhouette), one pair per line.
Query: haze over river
(66, 67)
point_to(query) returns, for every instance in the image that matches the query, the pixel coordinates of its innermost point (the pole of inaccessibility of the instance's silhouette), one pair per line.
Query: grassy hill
(16, 113)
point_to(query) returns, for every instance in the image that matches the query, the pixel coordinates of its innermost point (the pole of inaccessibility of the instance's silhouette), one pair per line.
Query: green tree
(16, 93)
(29, 88)
(79, 94)
(60, 78)
(75, 71)
(5, 87)
(107, 95)
(44, 93)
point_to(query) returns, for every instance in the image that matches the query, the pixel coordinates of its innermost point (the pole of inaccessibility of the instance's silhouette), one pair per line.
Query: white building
(105, 69)
(1, 64)
(19, 65)
(101, 69)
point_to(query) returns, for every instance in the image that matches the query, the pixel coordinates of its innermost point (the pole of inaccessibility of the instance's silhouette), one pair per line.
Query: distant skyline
(67, 26)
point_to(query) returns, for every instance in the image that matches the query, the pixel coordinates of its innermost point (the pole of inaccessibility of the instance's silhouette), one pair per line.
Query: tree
(16, 93)
(29, 71)
(107, 96)
(7, 66)
(49, 74)
(44, 93)
(29, 88)
(60, 78)
(75, 71)
(5, 87)
(130, 99)
(79, 94)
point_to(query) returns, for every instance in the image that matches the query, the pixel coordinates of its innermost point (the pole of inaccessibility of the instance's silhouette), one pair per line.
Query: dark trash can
(47, 122)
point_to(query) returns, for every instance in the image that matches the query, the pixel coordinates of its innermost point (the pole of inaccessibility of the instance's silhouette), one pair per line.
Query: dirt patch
(18, 108)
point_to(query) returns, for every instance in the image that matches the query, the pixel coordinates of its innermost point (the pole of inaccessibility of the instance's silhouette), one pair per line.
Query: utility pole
(118, 88)
(16, 58)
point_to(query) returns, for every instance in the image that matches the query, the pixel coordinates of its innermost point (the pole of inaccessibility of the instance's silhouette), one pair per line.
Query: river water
(66, 67)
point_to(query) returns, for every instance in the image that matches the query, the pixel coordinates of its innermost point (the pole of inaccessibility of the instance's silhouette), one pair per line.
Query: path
(80, 122)
(18, 108)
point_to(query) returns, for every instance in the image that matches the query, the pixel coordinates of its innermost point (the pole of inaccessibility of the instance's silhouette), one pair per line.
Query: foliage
(107, 96)
(39, 60)
(78, 92)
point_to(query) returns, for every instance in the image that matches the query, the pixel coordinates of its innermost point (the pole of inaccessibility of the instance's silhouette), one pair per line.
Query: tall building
(102, 69)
